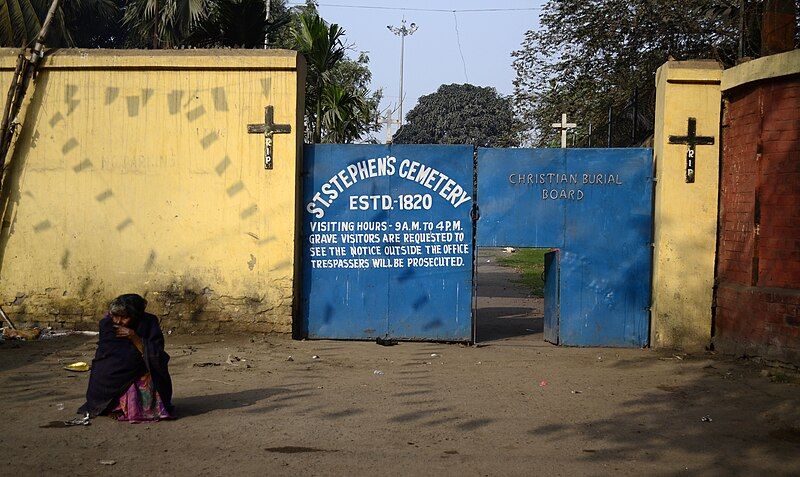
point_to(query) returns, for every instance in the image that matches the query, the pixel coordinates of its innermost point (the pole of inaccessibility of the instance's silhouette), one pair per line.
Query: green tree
(323, 48)
(241, 24)
(460, 114)
(342, 114)
(353, 77)
(591, 55)
(162, 23)
(21, 20)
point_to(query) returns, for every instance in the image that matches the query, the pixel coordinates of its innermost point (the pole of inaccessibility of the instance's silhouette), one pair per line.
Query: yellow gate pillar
(686, 148)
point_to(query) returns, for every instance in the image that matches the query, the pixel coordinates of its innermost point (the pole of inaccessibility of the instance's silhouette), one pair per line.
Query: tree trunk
(155, 26)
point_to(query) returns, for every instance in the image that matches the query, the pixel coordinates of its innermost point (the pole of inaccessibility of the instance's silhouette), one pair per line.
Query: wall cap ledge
(773, 66)
(188, 59)
(691, 71)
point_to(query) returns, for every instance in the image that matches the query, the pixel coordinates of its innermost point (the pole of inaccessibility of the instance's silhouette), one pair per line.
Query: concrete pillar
(685, 214)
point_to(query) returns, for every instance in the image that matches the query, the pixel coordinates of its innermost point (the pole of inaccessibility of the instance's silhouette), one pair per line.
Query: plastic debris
(576, 392)
(599, 358)
(60, 406)
(49, 333)
(378, 372)
(289, 359)
(108, 462)
(706, 419)
(509, 250)
(488, 261)
(542, 383)
(315, 357)
(234, 359)
(434, 355)
(79, 421)
(78, 367)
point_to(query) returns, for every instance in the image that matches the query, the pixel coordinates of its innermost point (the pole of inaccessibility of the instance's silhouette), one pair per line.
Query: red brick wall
(758, 263)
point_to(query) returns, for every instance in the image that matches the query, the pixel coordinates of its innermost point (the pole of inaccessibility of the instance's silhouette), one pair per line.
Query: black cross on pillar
(268, 129)
(692, 139)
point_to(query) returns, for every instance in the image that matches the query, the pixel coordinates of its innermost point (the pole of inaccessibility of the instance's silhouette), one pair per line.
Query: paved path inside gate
(516, 406)
(507, 311)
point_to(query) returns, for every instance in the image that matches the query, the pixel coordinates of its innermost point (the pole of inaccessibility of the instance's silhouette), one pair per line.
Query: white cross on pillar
(564, 126)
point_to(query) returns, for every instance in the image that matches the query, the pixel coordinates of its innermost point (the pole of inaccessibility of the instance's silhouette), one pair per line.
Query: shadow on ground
(703, 419)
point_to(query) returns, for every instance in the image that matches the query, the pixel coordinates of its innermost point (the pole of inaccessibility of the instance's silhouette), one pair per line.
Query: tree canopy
(460, 114)
(589, 56)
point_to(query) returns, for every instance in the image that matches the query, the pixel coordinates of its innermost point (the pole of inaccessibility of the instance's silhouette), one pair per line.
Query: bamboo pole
(26, 67)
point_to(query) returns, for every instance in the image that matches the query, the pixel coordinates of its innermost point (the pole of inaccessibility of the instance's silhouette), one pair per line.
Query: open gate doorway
(509, 294)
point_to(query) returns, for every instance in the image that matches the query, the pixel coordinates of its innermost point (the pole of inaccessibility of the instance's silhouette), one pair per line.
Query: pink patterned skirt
(141, 403)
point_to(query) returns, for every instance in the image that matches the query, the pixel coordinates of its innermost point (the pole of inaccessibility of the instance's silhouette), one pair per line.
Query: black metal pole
(635, 113)
(609, 127)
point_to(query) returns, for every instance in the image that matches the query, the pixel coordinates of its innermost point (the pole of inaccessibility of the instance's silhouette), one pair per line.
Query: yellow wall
(685, 214)
(134, 172)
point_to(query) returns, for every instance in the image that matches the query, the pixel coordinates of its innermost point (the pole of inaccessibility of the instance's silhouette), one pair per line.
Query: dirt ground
(514, 405)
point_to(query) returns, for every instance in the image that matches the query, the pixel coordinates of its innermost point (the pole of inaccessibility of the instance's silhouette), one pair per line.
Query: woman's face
(120, 320)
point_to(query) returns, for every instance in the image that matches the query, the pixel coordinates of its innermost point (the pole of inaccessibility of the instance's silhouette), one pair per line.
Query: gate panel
(606, 267)
(595, 205)
(339, 301)
(387, 242)
(434, 300)
(551, 297)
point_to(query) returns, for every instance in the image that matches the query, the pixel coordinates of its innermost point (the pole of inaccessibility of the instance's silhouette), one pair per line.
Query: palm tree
(322, 46)
(21, 20)
(163, 23)
(346, 114)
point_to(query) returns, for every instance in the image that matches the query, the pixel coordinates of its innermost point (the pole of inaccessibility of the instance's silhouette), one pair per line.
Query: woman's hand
(124, 332)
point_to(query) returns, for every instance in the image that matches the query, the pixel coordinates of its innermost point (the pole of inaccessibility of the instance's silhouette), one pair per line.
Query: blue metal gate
(387, 242)
(387, 238)
(595, 207)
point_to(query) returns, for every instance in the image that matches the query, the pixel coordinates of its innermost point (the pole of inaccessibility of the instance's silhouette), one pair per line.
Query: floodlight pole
(402, 32)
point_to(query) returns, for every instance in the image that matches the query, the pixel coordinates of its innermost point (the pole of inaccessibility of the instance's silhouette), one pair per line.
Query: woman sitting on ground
(130, 379)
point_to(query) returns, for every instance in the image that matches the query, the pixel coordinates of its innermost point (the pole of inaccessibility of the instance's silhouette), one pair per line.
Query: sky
(432, 56)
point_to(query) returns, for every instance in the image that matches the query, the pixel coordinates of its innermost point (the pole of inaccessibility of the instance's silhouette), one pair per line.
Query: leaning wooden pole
(23, 72)
(27, 62)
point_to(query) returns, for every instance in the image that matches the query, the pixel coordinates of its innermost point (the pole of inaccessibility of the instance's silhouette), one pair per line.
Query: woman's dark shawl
(117, 364)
